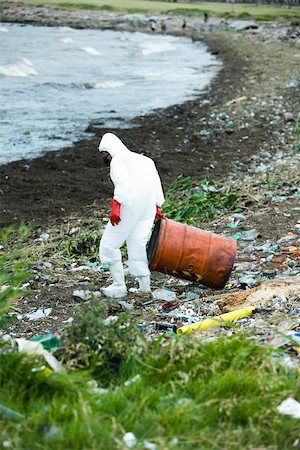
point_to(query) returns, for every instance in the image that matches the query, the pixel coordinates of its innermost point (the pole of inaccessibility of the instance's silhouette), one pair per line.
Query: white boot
(118, 288)
(144, 284)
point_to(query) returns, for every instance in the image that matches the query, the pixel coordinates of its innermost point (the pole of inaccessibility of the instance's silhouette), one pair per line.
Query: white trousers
(134, 229)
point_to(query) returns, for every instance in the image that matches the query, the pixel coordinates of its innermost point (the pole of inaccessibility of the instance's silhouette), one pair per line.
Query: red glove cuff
(159, 214)
(115, 215)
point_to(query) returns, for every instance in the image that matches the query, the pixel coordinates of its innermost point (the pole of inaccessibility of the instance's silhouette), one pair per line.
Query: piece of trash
(38, 314)
(10, 414)
(127, 306)
(44, 236)
(237, 236)
(48, 341)
(163, 294)
(191, 296)
(93, 388)
(237, 217)
(168, 306)
(150, 445)
(36, 349)
(164, 326)
(82, 294)
(69, 320)
(249, 235)
(129, 440)
(110, 320)
(43, 265)
(216, 321)
(132, 380)
(290, 407)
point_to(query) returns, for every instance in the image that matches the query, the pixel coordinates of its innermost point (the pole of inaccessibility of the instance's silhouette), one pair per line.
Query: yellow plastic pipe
(216, 321)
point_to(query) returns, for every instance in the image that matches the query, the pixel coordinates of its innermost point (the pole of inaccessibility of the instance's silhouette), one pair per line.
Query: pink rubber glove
(115, 215)
(159, 214)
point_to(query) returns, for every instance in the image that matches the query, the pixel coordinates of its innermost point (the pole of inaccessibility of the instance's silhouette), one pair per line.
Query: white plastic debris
(44, 236)
(150, 445)
(129, 440)
(249, 235)
(36, 348)
(110, 320)
(290, 407)
(163, 294)
(38, 314)
(82, 294)
(132, 380)
(93, 388)
(127, 306)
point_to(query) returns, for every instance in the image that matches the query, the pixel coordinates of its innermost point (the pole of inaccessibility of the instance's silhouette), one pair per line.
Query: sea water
(55, 81)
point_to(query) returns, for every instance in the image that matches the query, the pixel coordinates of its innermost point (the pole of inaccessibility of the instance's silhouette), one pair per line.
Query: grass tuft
(194, 204)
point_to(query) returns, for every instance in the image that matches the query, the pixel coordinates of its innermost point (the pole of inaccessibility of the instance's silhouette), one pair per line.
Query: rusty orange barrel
(187, 252)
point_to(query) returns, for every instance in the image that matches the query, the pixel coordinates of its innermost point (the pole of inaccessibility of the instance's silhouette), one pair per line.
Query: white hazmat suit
(137, 187)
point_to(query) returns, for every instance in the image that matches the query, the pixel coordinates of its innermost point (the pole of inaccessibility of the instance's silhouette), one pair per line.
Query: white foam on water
(90, 50)
(150, 48)
(108, 84)
(66, 40)
(22, 68)
(3, 30)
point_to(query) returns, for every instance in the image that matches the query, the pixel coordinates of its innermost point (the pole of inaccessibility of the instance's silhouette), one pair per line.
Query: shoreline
(185, 139)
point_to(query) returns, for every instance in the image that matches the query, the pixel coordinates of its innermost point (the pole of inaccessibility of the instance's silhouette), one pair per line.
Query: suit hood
(113, 145)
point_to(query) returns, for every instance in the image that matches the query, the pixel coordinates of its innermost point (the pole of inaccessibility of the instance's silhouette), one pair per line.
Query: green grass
(262, 12)
(195, 204)
(13, 265)
(186, 394)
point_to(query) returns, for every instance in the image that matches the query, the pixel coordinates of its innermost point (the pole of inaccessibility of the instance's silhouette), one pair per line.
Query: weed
(12, 267)
(180, 393)
(84, 243)
(192, 205)
(100, 343)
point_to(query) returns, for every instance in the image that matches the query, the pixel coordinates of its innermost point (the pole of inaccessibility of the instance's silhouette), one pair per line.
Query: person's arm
(120, 178)
(160, 198)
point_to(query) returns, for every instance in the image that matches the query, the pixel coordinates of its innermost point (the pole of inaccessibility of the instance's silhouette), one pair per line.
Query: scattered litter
(85, 294)
(249, 235)
(163, 294)
(290, 407)
(36, 348)
(44, 236)
(93, 388)
(217, 321)
(38, 314)
(150, 445)
(129, 440)
(110, 320)
(132, 380)
(127, 306)
(49, 341)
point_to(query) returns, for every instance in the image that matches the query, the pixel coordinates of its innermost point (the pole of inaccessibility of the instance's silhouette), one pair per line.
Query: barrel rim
(153, 241)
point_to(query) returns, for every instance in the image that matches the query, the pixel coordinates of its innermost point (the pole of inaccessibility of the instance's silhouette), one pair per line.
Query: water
(55, 81)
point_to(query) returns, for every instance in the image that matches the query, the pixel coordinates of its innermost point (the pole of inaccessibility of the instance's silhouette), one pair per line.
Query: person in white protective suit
(137, 199)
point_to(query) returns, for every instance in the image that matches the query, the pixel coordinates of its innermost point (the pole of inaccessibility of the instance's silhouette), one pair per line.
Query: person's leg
(110, 253)
(137, 254)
